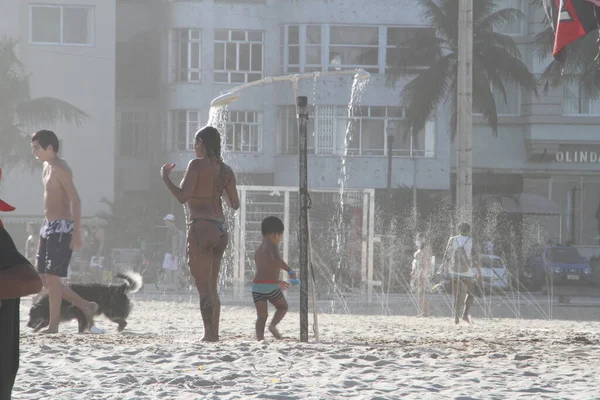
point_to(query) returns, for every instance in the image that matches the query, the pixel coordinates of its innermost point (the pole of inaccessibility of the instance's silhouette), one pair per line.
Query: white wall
(85, 77)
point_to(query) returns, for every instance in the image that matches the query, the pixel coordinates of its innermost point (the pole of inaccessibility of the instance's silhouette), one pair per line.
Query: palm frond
(498, 19)
(422, 95)
(497, 61)
(413, 54)
(544, 44)
(580, 60)
(552, 77)
(46, 110)
(15, 150)
(436, 16)
(481, 9)
(10, 65)
(485, 40)
(483, 98)
(590, 82)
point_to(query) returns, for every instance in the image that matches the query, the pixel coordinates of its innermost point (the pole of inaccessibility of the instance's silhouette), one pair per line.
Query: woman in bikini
(207, 178)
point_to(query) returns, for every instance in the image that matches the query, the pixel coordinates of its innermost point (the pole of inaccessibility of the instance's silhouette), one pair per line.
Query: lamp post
(302, 108)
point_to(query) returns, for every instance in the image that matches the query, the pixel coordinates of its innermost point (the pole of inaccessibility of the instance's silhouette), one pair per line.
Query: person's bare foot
(456, 320)
(275, 332)
(467, 318)
(209, 339)
(50, 330)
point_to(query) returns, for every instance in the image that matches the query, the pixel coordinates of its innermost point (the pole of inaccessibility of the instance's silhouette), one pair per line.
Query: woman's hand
(165, 170)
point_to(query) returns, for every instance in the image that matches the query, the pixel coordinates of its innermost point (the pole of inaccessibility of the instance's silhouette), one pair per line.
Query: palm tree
(581, 66)
(433, 59)
(19, 111)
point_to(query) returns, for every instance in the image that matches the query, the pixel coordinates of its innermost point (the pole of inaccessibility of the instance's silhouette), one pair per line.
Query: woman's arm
(18, 281)
(183, 193)
(232, 193)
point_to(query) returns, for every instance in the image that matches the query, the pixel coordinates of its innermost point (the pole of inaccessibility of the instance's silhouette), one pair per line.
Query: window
(133, 133)
(364, 133)
(309, 48)
(238, 56)
(244, 131)
(65, 25)
(354, 47)
(511, 27)
(301, 48)
(348, 47)
(576, 102)
(397, 38)
(186, 54)
(184, 125)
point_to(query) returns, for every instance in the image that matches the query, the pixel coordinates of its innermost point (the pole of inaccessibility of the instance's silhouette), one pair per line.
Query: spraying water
(359, 85)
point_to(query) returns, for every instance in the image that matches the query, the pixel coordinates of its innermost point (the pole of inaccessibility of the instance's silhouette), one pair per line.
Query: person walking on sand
(207, 178)
(419, 276)
(60, 233)
(460, 257)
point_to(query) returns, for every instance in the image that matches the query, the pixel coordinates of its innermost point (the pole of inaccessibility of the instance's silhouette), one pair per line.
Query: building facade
(154, 67)
(68, 48)
(213, 46)
(546, 145)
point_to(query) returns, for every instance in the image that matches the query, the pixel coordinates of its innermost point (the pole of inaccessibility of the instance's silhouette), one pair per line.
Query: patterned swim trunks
(55, 252)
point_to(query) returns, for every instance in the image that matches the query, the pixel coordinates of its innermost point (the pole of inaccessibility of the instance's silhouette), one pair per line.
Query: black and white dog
(112, 301)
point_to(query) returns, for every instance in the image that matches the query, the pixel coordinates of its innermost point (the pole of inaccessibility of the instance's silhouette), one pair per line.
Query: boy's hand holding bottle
(294, 280)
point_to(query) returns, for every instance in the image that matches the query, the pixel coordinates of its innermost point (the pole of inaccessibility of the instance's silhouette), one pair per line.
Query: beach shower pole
(302, 109)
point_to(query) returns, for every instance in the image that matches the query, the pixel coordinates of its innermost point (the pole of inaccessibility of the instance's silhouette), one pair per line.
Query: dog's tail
(133, 281)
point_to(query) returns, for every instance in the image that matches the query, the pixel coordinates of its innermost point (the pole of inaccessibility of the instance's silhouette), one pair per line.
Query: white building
(68, 47)
(173, 57)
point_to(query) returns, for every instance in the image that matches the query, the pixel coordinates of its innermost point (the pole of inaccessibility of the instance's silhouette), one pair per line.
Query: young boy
(266, 285)
(17, 279)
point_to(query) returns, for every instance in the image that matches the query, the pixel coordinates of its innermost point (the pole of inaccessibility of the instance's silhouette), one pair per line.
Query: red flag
(571, 20)
(4, 206)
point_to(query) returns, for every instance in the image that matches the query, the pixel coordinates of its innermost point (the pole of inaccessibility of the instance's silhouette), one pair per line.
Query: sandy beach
(160, 356)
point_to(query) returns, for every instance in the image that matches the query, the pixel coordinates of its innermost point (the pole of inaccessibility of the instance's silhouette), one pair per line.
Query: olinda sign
(579, 156)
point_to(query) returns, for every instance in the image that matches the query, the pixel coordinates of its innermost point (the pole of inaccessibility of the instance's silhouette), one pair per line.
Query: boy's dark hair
(271, 225)
(45, 138)
(464, 229)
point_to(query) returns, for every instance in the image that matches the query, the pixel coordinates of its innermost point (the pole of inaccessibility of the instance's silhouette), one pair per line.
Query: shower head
(362, 74)
(224, 99)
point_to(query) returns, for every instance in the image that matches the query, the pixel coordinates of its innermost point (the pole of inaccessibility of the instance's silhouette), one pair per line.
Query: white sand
(159, 356)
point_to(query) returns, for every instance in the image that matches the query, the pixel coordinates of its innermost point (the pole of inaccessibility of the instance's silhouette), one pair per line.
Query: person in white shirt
(459, 258)
(419, 276)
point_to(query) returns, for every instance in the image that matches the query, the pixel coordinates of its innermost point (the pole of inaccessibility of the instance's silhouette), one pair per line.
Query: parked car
(495, 274)
(556, 265)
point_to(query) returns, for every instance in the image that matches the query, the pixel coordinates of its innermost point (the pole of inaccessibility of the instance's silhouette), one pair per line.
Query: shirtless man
(266, 285)
(205, 181)
(60, 233)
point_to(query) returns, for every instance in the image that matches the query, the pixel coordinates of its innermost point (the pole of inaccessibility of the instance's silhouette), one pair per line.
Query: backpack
(460, 262)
